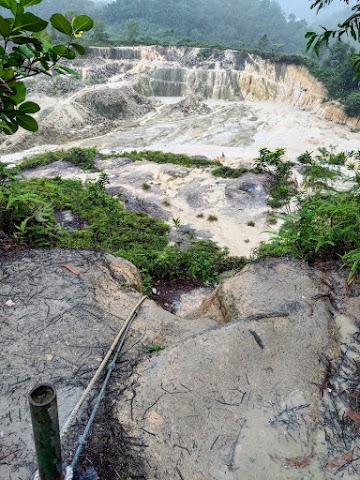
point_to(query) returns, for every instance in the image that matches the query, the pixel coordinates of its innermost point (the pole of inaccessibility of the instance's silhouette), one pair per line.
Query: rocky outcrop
(114, 104)
(230, 75)
(59, 313)
(245, 399)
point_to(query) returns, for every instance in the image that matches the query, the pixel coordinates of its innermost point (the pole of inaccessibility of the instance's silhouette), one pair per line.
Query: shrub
(352, 104)
(83, 158)
(327, 223)
(228, 172)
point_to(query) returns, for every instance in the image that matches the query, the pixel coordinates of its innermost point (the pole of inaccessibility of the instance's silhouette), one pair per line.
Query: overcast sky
(301, 8)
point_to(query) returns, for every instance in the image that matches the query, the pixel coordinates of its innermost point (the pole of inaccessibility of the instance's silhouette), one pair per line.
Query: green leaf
(29, 21)
(69, 54)
(10, 5)
(61, 24)
(26, 51)
(60, 49)
(4, 127)
(64, 51)
(7, 74)
(20, 92)
(5, 4)
(19, 40)
(43, 36)
(29, 107)
(5, 27)
(29, 3)
(8, 127)
(27, 122)
(62, 69)
(82, 23)
(79, 48)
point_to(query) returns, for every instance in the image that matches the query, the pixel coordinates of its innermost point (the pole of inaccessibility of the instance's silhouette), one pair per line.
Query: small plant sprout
(153, 347)
(176, 222)
(212, 218)
(146, 186)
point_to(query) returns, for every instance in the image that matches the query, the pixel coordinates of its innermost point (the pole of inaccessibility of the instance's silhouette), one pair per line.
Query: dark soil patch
(168, 293)
(9, 244)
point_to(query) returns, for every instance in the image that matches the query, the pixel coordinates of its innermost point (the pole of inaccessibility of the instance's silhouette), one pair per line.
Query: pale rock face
(124, 272)
(117, 83)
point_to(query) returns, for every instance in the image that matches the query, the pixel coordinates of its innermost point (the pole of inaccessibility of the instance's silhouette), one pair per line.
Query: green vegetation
(83, 158)
(26, 50)
(352, 104)
(212, 218)
(281, 187)
(349, 27)
(158, 156)
(228, 172)
(231, 23)
(153, 347)
(27, 210)
(326, 224)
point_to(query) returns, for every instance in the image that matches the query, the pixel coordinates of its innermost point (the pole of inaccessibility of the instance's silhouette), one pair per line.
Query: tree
(27, 50)
(350, 27)
(132, 29)
(99, 33)
(264, 44)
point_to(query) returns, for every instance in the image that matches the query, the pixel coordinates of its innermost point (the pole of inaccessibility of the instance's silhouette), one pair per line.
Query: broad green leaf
(43, 36)
(79, 48)
(82, 23)
(7, 74)
(27, 122)
(21, 40)
(20, 92)
(60, 49)
(5, 27)
(18, 9)
(64, 51)
(29, 21)
(44, 64)
(4, 127)
(26, 51)
(29, 3)
(5, 4)
(10, 5)
(12, 127)
(29, 107)
(61, 24)
(62, 69)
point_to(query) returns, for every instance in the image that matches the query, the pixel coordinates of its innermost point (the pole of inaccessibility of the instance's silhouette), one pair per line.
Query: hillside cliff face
(223, 75)
(233, 100)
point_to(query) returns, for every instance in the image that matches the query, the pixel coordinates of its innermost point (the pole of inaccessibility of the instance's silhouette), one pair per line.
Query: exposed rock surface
(234, 87)
(115, 104)
(189, 194)
(56, 326)
(244, 399)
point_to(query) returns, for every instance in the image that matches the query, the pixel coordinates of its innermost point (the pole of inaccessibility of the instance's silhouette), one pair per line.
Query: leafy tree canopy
(350, 28)
(27, 50)
(237, 23)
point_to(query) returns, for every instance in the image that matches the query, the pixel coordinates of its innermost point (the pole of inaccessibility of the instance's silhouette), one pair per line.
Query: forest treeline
(235, 23)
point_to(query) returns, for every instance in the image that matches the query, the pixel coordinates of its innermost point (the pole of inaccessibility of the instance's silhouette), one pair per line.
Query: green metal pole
(45, 422)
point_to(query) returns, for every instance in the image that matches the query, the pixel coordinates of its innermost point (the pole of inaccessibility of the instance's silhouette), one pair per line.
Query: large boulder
(245, 399)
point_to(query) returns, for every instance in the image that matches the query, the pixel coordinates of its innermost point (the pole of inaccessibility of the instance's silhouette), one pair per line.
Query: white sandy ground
(233, 133)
